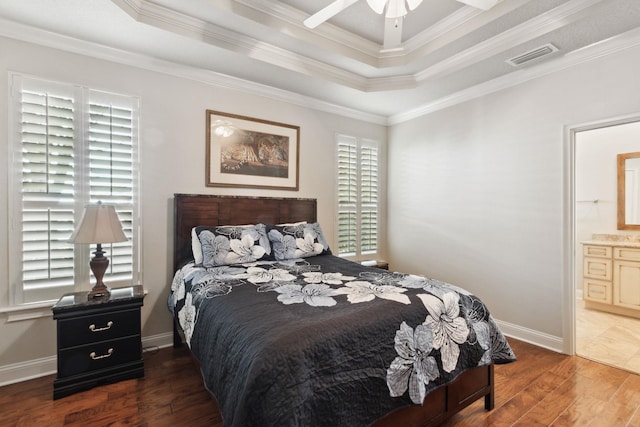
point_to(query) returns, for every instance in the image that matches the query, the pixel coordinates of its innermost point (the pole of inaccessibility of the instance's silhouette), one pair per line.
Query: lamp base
(99, 264)
(98, 292)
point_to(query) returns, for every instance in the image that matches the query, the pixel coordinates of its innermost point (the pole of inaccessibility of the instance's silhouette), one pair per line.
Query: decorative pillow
(226, 245)
(297, 241)
(196, 246)
(291, 224)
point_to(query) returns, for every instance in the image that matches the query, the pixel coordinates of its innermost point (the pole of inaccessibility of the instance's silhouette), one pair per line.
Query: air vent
(536, 53)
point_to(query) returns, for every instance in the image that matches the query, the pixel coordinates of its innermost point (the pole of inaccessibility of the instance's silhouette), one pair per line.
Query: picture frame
(251, 153)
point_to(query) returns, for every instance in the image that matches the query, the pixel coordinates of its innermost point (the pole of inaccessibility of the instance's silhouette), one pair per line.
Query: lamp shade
(99, 224)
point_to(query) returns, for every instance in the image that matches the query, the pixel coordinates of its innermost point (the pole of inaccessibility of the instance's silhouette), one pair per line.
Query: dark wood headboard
(191, 210)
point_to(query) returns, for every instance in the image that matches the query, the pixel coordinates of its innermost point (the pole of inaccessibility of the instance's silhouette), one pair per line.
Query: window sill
(28, 311)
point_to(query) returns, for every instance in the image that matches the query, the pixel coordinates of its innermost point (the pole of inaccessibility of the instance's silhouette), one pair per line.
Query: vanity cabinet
(611, 278)
(626, 277)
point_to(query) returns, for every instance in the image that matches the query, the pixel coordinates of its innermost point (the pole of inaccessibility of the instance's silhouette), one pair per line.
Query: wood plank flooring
(542, 388)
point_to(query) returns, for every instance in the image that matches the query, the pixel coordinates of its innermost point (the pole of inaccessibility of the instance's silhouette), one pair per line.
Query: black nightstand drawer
(101, 327)
(99, 339)
(100, 355)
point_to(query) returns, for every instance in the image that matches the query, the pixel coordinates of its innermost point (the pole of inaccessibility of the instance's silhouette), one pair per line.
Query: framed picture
(254, 153)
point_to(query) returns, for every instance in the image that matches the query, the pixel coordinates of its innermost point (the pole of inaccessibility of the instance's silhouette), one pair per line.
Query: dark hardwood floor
(542, 388)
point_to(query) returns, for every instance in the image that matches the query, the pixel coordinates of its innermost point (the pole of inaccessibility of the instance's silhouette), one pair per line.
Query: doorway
(601, 336)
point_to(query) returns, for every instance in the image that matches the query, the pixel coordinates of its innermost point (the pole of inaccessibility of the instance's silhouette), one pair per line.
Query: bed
(286, 336)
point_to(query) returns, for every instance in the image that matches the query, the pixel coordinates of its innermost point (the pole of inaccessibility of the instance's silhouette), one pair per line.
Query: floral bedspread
(325, 341)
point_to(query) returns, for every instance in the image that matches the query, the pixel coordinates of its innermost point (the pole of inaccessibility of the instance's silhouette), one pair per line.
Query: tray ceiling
(446, 48)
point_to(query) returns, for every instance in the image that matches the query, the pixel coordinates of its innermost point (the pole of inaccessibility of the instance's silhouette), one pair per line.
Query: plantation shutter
(47, 132)
(73, 146)
(369, 199)
(111, 177)
(347, 196)
(358, 199)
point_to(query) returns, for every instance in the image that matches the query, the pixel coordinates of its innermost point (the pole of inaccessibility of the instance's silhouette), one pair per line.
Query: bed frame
(193, 210)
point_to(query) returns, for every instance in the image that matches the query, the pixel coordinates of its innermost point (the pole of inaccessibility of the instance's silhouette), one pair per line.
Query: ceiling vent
(533, 54)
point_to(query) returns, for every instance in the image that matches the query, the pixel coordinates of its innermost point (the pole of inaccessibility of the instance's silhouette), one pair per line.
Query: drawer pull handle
(103, 356)
(93, 328)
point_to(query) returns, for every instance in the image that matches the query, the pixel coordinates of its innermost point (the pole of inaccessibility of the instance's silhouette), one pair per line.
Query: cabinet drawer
(95, 356)
(627, 254)
(597, 290)
(597, 268)
(101, 327)
(597, 251)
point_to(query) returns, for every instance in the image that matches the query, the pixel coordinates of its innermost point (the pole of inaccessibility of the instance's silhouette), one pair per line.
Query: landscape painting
(249, 152)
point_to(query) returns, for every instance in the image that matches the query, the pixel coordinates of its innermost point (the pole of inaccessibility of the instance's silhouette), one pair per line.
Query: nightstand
(99, 340)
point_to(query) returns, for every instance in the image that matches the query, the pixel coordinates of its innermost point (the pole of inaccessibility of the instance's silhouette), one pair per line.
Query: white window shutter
(47, 133)
(369, 199)
(111, 177)
(357, 195)
(73, 146)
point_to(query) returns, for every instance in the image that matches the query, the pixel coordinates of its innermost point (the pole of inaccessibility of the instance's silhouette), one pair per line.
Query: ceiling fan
(395, 9)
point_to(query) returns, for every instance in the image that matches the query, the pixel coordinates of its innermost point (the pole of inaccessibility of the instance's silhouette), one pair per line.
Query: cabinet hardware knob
(93, 328)
(93, 356)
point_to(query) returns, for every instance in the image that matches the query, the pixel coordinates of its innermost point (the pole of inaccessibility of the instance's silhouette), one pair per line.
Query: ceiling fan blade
(396, 9)
(327, 13)
(377, 5)
(413, 4)
(480, 4)
(392, 33)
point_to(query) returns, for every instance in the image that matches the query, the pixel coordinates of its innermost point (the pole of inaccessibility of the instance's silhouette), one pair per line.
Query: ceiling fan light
(396, 9)
(413, 4)
(377, 5)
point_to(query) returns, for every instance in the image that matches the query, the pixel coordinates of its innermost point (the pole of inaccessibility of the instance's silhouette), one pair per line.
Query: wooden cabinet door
(626, 284)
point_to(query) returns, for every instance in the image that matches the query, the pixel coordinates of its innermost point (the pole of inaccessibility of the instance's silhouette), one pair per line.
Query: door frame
(569, 223)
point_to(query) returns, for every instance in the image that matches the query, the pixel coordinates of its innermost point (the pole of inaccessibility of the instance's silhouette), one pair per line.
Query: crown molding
(534, 28)
(587, 54)
(38, 36)
(353, 47)
(462, 22)
(149, 13)
(349, 44)
(17, 31)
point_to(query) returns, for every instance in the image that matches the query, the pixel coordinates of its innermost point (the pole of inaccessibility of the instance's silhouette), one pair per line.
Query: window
(73, 146)
(358, 198)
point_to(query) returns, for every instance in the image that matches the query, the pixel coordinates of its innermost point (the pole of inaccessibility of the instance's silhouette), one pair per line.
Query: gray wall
(476, 190)
(172, 159)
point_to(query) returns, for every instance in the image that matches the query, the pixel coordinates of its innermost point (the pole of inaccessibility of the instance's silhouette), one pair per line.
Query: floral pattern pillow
(297, 241)
(228, 245)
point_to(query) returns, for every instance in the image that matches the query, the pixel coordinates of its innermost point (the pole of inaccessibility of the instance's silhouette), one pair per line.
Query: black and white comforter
(325, 341)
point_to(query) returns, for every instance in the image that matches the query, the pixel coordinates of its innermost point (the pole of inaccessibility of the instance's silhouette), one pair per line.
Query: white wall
(172, 138)
(476, 191)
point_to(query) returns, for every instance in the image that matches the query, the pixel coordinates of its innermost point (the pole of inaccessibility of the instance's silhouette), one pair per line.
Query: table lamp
(99, 224)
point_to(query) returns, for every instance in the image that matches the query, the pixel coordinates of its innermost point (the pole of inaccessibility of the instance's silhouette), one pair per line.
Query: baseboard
(28, 370)
(157, 341)
(540, 339)
(23, 371)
